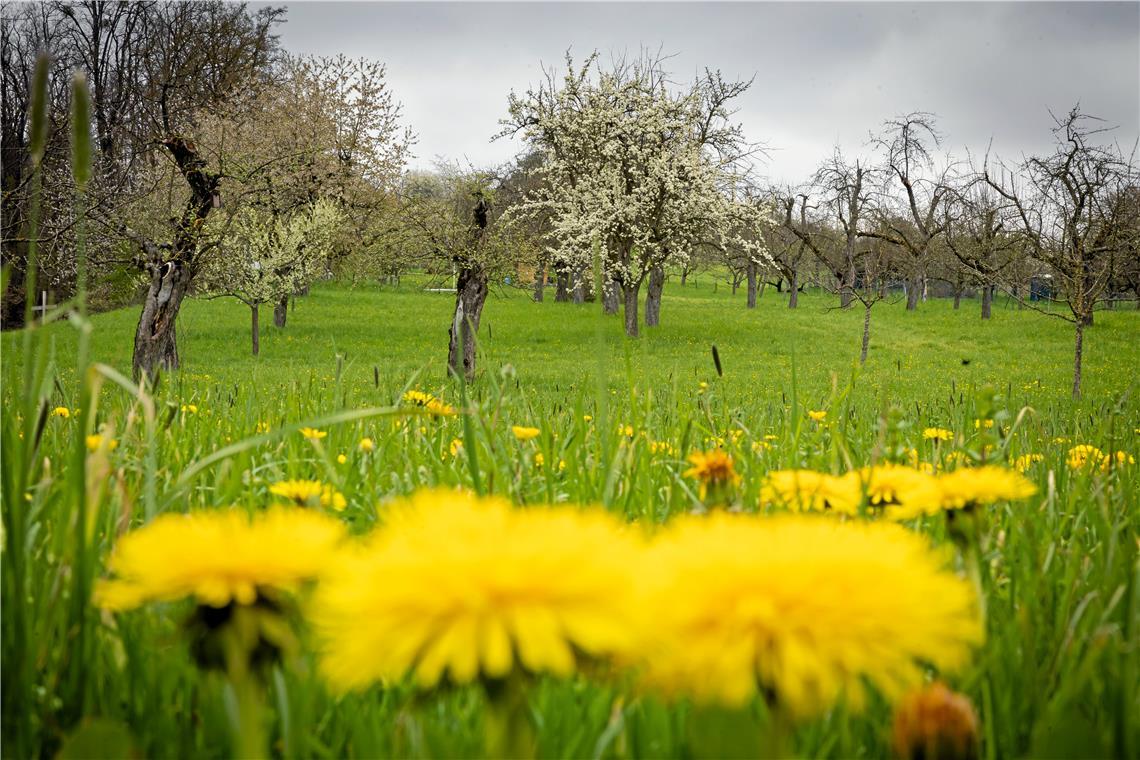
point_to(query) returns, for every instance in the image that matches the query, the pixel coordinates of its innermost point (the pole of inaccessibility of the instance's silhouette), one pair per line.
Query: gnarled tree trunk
(913, 291)
(170, 278)
(1078, 358)
(470, 295)
(794, 291)
(156, 345)
(539, 283)
(631, 298)
(987, 300)
(611, 296)
(562, 286)
(280, 311)
(653, 296)
(579, 292)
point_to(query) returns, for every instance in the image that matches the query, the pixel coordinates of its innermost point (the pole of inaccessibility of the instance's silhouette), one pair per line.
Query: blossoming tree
(267, 257)
(641, 169)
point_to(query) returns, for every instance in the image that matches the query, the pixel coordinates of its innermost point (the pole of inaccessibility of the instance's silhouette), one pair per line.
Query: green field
(1057, 676)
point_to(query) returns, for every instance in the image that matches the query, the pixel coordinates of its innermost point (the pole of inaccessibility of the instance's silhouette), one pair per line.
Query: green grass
(1057, 676)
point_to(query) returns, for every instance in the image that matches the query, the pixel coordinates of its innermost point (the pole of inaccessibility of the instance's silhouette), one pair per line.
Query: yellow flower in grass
(525, 433)
(1119, 459)
(937, 434)
(818, 416)
(978, 486)
(804, 609)
(96, 441)
(804, 490)
(61, 411)
(1025, 461)
(190, 408)
(218, 557)
(1083, 455)
(417, 398)
(313, 434)
(341, 459)
(438, 408)
(714, 470)
(903, 492)
(366, 444)
(309, 493)
(455, 447)
(454, 588)
(983, 424)
(262, 427)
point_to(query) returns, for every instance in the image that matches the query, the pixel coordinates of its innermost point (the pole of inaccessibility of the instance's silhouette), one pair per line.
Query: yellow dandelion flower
(309, 493)
(983, 424)
(61, 411)
(313, 434)
(525, 433)
(977, 486)
(903, 492)
(935, 722)
(440, 409)
(218, 557)
(806, 609)
(366, 444)
(1119, 459)
(455, 447)
(626, 430)
(341, 458)
(417, 398)
(1082, 455)
(96, 440)
(937, 434)
(804, 490)
(587, 417)
(484, 589)
(714, 470)
(539, 459)
(262, 427)
(818, 416)
(190, 408)
(1025, 461)
(1061, 439)
(771, 437)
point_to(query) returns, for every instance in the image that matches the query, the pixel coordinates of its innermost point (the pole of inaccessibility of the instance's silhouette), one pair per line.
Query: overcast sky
(825, 72)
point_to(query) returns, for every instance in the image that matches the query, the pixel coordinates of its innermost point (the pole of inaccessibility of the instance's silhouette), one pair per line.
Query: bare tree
(1073, 210)
(846, 189)
(907, 143)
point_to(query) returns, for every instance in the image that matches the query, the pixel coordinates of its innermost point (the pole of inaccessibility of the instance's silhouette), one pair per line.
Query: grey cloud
(825, 72)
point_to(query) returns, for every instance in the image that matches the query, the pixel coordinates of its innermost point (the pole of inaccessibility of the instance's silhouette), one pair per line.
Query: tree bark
(987, 301)
(957, 298)
(866, 333)
(653, 296)
(752, 273)
(156, 345)
(470, 295)
(793, 291)
(1078, 357)
(685, 278)
(539, 283)
(611, 293)
(280, 311)
(255, 327)
(579, 293)
(913, 291)
(562, 287)
(631, 298)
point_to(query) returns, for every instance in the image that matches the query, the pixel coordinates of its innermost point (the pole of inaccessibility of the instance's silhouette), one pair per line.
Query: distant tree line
(228, 167)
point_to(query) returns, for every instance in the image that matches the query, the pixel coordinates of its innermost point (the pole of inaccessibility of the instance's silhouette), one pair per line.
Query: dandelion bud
(936, 724)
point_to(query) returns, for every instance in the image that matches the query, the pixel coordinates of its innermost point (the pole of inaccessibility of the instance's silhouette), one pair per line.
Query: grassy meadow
(1058, 673)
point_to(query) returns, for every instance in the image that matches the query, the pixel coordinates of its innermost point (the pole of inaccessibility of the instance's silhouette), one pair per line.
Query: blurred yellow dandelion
(458, 588)
(218, 556)
(805, 609)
